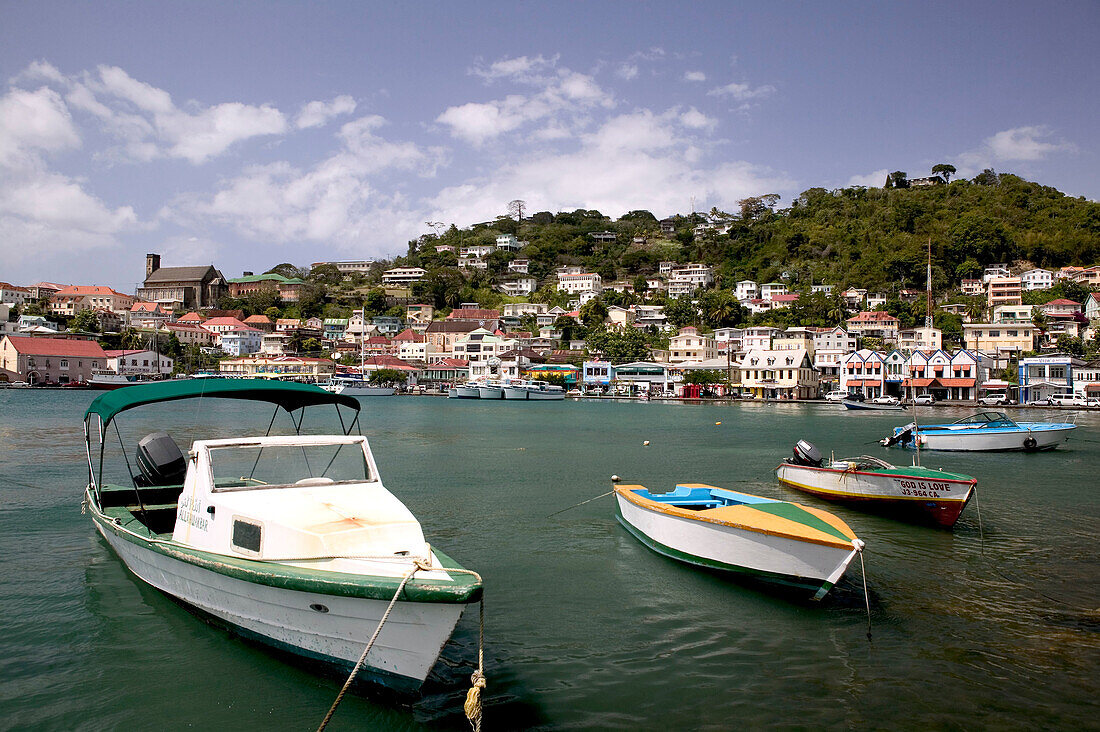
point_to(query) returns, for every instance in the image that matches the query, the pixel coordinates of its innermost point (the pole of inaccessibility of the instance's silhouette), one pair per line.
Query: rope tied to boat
(866, 597)
(472, 707)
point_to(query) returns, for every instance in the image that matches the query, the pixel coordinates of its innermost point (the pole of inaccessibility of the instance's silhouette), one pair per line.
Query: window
(64, 363)
(247, 536)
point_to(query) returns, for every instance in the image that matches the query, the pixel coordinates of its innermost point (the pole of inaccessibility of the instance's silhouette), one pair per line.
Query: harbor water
(585, 627)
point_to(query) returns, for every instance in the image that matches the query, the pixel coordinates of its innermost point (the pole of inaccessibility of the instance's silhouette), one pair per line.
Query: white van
(1064, 400)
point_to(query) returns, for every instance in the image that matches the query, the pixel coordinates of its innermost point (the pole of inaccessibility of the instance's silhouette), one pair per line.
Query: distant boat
(355, 386)
(469, 390)
(871, 406)
(524, 389)
(106, 380)
(751, 535)
(490, 390)
(871, 483)
(982, 432)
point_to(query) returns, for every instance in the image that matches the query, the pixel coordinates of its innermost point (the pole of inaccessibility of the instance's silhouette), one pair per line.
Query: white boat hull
(490, 392)
(368, 391)
(804, 564)
(515, 392)
(974, 440)
(941, 499)
(405, 651)
(467, 392)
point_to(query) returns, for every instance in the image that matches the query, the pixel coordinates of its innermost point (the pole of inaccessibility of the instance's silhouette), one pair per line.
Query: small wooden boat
(915, 491)
(720, 529)
(292, 541)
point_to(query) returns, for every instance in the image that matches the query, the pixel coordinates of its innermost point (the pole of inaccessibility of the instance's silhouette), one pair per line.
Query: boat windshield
(987, 419)
(249, 467)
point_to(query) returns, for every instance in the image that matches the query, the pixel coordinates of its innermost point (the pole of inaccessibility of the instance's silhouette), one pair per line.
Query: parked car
(891, 400)
(1044, 402)
(855, 396)
(924, 399)
(836, 396)
(747, 395)
(994, 400)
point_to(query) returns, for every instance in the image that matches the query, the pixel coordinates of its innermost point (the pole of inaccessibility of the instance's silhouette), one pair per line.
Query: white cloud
(627, 71)
(695, 76)
(33, 122)
(693, 119)
(565, 93)
(526, 69)
(874, 179)
(316, 114)
(742, 92)
(636, 160)
(1022, 143)
(336, 201)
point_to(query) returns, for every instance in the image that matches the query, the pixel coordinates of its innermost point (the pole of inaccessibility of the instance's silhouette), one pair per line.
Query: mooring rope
(866, 597)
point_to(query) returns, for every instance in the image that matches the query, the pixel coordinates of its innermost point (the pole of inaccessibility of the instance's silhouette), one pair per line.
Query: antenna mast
(928, 314)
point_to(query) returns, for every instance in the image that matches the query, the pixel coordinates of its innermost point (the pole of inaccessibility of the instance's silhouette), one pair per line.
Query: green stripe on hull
(463, 589)
(818, 586)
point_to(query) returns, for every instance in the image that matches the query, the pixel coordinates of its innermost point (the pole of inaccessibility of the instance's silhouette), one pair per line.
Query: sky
(247, 134)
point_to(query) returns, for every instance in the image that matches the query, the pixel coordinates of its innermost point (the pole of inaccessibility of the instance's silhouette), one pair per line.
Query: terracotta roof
(258, 319)
(145, 307)
(1060, 301)
(193, 317)
(212, 313)
(453, 363)
(90, 290)
(31, 346)
(869, 316)
(785, 297)
(473, 314)
(409, 335)
(218, 322)
(9, 286)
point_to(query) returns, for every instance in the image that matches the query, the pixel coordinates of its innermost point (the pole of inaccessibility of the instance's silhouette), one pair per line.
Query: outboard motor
(902, 435)
(805, 453)
(160, 460)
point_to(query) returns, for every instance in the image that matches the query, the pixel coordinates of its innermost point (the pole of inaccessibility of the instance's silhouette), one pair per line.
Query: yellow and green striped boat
(726, 530)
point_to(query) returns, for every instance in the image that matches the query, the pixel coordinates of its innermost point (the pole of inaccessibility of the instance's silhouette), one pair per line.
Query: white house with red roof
(190, 335)
(192, 318)
(874, 324)
(1060, 308)
(223, 325)
(72, 300)
(143, 361)
(12, 295)
(148, 315)
(39, 360)
(863, 371)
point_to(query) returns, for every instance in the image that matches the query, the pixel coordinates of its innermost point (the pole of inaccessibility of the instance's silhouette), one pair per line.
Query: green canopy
(288, 395)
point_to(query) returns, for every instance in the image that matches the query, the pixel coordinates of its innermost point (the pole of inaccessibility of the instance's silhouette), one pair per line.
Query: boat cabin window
(251, 467)
(988, 419)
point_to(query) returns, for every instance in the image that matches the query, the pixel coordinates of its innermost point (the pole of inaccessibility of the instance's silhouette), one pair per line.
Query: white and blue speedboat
(985, 431)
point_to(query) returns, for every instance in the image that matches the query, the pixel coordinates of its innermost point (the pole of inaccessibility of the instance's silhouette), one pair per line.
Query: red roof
(454, 363)
(217, 322)
(89, 290)
(868, 316)
(786, 297)
(29, 346)
(1061, 301)
(957, 382)
(192, 317)
(257, 319)
(409, 335)
(145, 307)
(9, 286)
(473, 314)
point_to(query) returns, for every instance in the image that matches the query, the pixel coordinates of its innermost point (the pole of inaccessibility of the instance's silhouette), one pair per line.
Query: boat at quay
(291, 540)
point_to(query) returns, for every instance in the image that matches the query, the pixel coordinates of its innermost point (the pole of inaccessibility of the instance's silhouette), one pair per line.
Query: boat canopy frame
(288, 396)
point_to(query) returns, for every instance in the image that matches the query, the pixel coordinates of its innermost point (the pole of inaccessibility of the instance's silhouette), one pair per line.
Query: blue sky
(248, 134)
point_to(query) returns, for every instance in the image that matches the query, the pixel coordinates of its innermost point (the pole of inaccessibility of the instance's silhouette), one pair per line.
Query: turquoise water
(585, 627)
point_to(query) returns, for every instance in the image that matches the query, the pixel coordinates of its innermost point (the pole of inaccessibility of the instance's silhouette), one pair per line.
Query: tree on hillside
(681, 311)
(286, 269)
(85, 321)
(987, 177)
(593, 313)
(754, 207)
(618, 346)
(897, 179)
(515, 209)
(945, 170)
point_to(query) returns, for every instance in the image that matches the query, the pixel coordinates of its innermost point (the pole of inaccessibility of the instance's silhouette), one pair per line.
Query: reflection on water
(584, 627)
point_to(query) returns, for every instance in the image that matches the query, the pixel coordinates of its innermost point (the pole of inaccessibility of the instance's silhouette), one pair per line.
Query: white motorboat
(356, 386)
(985, 431)
(469, 390)
(524, 389)
(291, 540)
(725, 530)
(490, 390)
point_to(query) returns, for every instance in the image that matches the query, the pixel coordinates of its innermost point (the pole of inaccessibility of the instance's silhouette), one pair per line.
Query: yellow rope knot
(472, 706)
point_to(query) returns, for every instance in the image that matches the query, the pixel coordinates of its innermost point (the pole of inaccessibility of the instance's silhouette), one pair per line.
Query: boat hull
(1006, 441)
(938, 499)
(547, 395)
(867, 406)
(322, 627)
(358, 391)
(466, 392)
(490, 392)
(516, 393)
(809, 566)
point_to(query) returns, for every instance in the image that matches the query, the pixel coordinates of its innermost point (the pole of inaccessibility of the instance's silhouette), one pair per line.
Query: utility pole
(928, 314)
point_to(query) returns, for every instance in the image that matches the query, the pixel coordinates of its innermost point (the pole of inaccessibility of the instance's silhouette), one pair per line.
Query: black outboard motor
(160, 460)
(805, 453)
